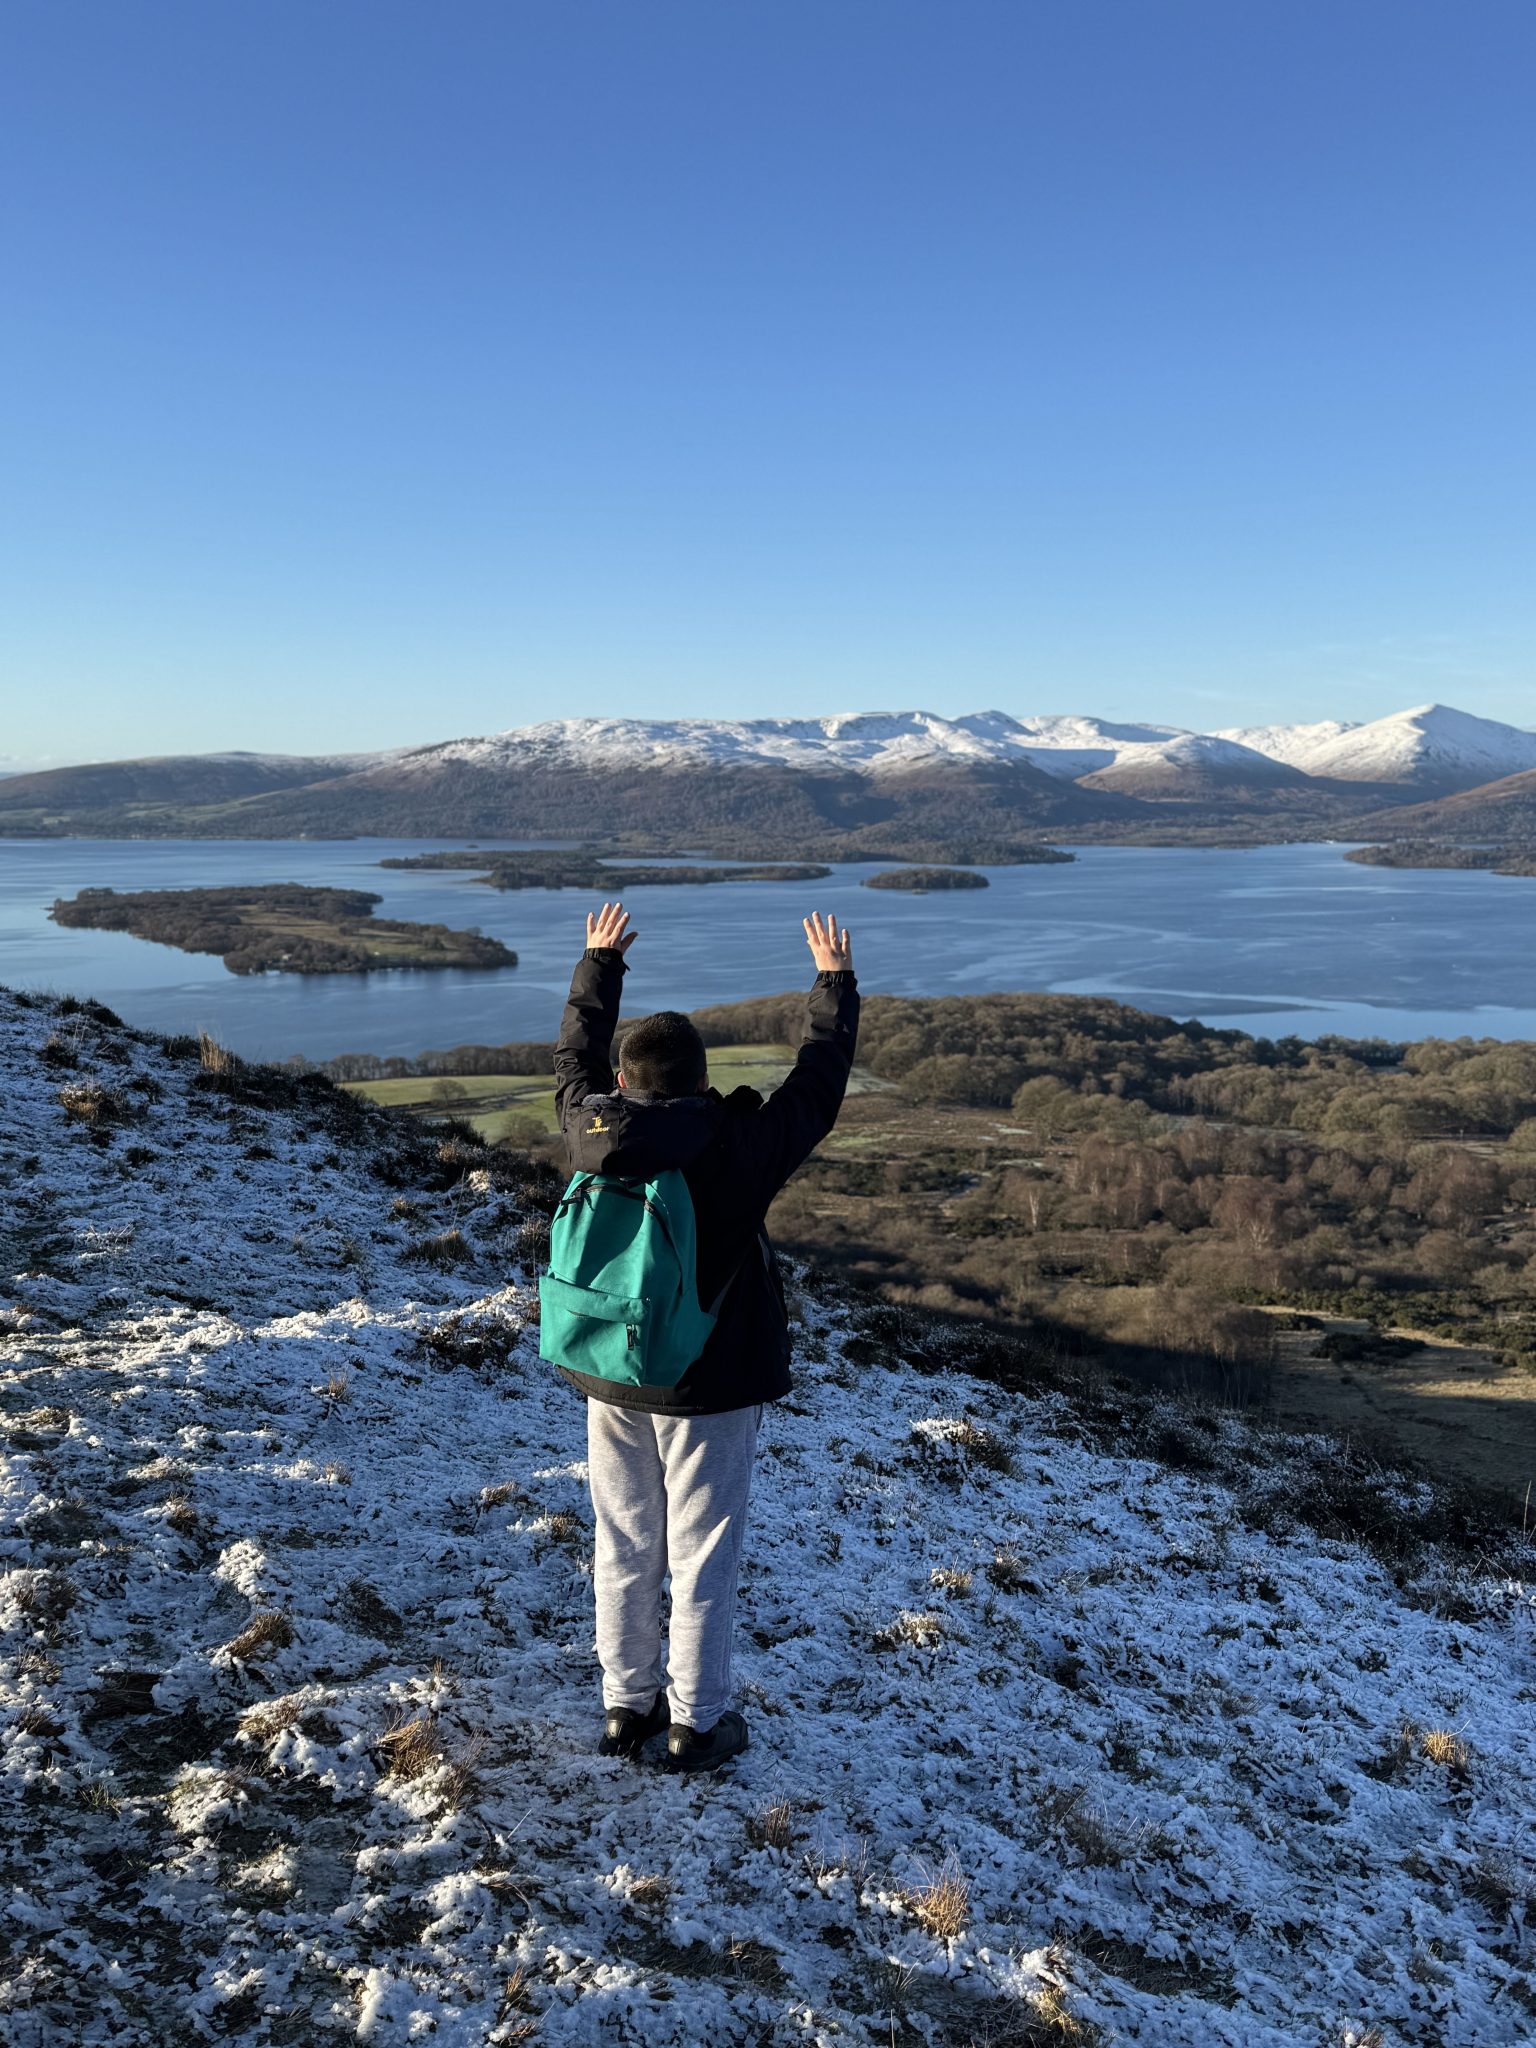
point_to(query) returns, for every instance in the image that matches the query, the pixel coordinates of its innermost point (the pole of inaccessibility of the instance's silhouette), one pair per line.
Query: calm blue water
(1278, 939)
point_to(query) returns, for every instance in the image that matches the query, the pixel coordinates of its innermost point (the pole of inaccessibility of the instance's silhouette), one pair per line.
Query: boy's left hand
(607, 928)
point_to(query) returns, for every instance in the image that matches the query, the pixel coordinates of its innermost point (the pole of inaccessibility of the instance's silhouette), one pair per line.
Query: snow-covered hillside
(862, 742)
(1051, 1743)
(1431, 744)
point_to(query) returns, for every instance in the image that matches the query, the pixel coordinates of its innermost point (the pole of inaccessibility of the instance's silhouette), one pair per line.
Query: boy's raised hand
(607, 928)
(831, 949)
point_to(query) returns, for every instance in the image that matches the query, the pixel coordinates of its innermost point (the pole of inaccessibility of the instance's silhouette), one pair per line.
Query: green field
(523, 1105)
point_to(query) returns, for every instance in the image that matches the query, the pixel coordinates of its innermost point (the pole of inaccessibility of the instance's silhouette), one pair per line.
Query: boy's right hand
(831, 949)
(607, 928)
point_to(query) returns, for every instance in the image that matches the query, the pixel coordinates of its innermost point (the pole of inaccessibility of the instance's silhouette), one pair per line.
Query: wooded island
(281, 927)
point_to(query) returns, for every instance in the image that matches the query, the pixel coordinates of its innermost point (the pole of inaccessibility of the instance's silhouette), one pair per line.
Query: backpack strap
(763, 1247)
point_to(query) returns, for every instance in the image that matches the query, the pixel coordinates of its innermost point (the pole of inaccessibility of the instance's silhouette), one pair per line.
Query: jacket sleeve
(804, 1106)
(583, 1058)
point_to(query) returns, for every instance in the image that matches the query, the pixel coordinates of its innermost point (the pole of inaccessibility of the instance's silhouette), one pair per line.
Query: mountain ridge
(904, 783)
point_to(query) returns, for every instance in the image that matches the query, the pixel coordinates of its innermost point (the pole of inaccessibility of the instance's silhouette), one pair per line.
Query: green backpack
(621, 1297)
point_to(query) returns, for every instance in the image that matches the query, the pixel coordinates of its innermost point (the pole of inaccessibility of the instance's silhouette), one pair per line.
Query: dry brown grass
(498, 1495)
(267, 1630)
(336, 1474)
(516, 1996)
(43, 1595)
(754, 1961)
(651, 1891)
(566, 1530)
(182, 1516)
(773, 1826)
(948, 1578)
(460, 1782)
(1006, 1571)
(850, 1862)
(909, 1631)
(337, 1389)
(1057, 2024)
(89, 1103)
(272, 1718)
(216, 1059)
(1442, 1746)
(941, 1905)
(36, 1720)
(411, 1747)
(447, 1249)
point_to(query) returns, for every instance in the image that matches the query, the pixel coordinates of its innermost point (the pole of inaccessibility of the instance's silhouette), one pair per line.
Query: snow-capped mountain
(866, 742)
(1295, 745)
(1431, 745)
(973, 787)
(1190, 764)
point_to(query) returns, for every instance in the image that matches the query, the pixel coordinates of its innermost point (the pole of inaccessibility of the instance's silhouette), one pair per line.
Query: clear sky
(377, 372)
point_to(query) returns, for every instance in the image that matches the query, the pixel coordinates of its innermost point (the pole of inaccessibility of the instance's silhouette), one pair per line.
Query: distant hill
(1504, 810)
(906, 784)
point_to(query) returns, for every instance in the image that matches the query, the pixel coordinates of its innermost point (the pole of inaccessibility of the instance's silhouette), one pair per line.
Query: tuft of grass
(981, 1446)
(948, 1578)
(1007, 1573)
(498, 1495)
(773, 1826)
(516, 1996)
(754, 1961)
(404, 1210)
(272, 1718)
(447, 1249)
(58, 1051)
(216, 1059)
(482, 1345)
(89, 1103)
(266, 1631)
(1442, 1746)
(43, 1595)
(37, 1721)
(651, 1891)
(566, 1530)
(909, 1631)
(336, 1474)
(181, 1515)
(941, 1905)
(411, 1747)
(337, 1388)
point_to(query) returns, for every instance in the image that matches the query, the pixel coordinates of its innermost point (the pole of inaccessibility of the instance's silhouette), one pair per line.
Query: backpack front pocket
(592, 1332)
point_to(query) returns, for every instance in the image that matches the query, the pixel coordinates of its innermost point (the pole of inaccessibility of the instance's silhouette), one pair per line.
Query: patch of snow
(1171, 1747)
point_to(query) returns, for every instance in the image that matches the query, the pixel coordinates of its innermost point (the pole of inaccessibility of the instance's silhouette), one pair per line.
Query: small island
(921, 880)
(588, 871)
(1424, 853)
(282, 928)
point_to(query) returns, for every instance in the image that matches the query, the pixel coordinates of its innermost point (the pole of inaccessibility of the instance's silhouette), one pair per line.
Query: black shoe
(626, 1732)
(688, 1749)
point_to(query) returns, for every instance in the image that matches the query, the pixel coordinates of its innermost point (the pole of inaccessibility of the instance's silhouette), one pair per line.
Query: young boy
(670, 1467)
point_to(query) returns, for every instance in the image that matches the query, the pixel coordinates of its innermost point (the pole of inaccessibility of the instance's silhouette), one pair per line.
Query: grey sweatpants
(669, 1493)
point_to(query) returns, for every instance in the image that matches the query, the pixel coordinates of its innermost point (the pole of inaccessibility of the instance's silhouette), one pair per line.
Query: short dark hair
(663, 1055)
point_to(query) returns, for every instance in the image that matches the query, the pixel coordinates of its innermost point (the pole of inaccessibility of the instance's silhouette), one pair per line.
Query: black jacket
(735, 1153)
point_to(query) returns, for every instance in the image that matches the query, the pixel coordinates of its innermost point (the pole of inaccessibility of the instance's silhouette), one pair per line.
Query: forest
(1518, 859)
(921, 880)
(587, 870)
(281, 927)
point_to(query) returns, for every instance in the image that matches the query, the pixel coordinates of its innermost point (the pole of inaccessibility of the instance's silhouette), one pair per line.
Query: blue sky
(372, 373)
